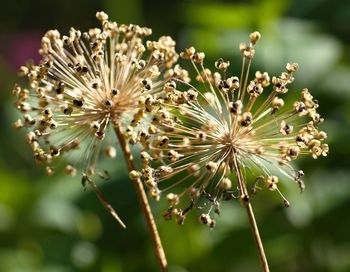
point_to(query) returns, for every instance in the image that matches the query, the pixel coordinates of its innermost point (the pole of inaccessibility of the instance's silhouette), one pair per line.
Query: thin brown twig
(157, 243)
(250, 213)
(106, 204)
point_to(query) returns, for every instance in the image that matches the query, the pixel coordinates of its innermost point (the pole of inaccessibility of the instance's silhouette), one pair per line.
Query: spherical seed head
(225, 131)
(87, 82)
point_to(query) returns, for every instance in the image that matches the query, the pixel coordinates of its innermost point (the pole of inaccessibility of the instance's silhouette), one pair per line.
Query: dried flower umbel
(201, 142)
(208, 137)
(85, 82)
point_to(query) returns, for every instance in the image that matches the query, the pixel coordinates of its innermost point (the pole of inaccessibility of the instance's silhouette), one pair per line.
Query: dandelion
(210, 137)
(87, 83)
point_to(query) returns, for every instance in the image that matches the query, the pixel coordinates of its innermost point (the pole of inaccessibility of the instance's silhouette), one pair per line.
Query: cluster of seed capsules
(194, 138)
(86, 83)
(201, 136)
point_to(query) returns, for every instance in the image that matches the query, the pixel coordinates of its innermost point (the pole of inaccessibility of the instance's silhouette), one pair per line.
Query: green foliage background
(53, 225)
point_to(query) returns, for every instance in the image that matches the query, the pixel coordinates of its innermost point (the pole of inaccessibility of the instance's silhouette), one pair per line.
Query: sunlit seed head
(88, 81)
(230, 126)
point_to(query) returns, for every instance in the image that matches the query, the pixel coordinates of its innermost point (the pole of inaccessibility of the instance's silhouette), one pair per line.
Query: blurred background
(53, 225)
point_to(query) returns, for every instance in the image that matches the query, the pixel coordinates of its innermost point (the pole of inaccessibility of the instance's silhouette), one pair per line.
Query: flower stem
(157, 243)
(246, 202)
(258, 242)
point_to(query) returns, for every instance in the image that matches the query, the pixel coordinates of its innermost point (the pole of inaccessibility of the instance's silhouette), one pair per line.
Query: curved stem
(157, 243)
(246, 202)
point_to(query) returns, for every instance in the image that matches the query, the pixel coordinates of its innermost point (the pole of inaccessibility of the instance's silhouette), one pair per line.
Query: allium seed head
(229, 126)
(87, 81)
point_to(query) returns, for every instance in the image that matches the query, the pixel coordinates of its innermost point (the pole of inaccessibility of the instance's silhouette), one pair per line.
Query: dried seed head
(88, 82)
(231, 125)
